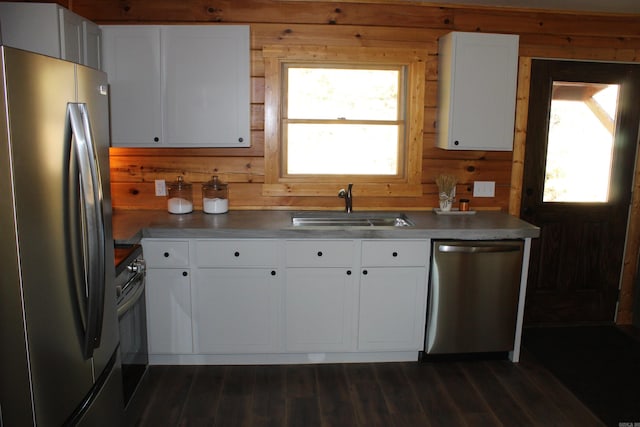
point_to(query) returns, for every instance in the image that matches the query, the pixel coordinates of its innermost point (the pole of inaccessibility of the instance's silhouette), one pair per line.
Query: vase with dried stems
(446, 191)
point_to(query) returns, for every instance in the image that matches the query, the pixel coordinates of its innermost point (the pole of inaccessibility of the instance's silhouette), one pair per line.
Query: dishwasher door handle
(470, 249)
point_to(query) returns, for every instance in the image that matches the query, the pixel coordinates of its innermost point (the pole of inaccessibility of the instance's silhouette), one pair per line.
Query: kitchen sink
(358, 219)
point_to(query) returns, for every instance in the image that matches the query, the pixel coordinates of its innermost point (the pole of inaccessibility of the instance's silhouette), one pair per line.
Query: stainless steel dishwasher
(473, 296)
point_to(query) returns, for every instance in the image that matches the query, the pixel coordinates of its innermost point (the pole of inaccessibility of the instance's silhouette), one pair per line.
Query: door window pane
(580, 145)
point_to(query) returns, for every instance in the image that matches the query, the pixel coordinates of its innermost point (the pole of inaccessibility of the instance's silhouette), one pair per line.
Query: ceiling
(603, 6)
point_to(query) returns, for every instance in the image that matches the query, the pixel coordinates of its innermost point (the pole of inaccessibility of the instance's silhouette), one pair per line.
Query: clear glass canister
(215, 196)
(179, 197)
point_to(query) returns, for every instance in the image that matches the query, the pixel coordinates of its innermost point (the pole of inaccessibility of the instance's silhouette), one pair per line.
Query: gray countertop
(131, 226)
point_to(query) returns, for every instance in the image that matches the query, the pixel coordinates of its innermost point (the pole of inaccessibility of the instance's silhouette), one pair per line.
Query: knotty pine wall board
(544, 34)
(273, 22)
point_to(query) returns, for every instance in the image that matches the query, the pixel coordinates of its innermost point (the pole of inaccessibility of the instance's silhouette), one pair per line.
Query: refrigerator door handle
(93, 232)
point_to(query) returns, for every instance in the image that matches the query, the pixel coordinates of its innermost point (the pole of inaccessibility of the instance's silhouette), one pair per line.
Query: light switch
(484, 189)
(161, 188)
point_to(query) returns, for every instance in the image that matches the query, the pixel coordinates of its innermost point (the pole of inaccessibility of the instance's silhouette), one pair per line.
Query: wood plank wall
(382, 23)
(375, 23)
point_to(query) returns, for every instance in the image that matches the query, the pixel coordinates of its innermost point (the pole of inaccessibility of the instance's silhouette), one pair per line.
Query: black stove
(130, 297)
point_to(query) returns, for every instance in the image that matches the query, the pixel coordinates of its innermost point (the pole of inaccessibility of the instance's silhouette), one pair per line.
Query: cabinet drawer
(236, 253)
(166, 253)
(395, 253)
(320, 253)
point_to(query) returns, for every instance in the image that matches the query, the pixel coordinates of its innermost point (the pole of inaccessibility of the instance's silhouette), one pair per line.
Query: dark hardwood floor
(435, 393)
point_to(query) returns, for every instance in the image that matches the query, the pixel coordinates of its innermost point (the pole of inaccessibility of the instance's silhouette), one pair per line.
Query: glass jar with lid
(215, 196)
(179, 197)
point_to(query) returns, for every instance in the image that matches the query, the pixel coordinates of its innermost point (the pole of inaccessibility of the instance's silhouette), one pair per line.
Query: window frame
(408, 180)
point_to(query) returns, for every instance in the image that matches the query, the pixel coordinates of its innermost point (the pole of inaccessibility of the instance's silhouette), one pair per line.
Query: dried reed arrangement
(446, 184)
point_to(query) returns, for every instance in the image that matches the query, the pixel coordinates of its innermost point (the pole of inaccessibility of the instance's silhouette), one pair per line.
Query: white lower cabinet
(393, 294)
(235, 310)
(392, 303)
(319, 309)
(285, 301)
(320, 295)
(168, 295)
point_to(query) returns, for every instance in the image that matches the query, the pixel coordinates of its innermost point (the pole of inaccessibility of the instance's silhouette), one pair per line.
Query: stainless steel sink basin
(358, 219)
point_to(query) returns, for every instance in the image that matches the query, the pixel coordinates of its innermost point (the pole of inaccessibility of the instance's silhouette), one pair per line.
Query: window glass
(334, 93)
(580, 144)
(343, 121)
(342, 149)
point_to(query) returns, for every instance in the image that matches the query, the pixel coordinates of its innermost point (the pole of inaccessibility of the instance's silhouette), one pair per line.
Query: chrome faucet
(348, 198)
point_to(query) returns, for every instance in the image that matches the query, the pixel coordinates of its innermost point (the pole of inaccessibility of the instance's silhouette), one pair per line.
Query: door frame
(630, 264)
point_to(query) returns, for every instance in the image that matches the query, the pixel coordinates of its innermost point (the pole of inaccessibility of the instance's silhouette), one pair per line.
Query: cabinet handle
(365, 272)
(319, 253)
(156, 139)
(456, 142)
(166, 254)
(241, 139)
(348, 272)
(395, 254)
(236, 254)
(273, 272)
(185, 274)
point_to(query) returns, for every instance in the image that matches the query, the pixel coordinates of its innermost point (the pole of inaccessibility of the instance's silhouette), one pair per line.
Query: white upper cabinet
(178, 86)
(92, 44)
(131, 58)
(52, 30)
(477, 79)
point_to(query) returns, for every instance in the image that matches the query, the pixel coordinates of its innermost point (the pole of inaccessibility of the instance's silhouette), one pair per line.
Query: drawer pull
(319, 253)
(185, 274)
(166, 254)
(273, 272)
(365, 272)
(348, 272)
(395, 254)
(236, 254)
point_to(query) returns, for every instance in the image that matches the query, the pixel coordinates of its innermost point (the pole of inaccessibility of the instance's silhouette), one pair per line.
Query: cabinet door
(235, 310)
(131, 58)
(206, 82)
(71, 38)
(319, 309)
(31, 26)
(169, 311)
(392, 308)
(477, 91)
(92, 44)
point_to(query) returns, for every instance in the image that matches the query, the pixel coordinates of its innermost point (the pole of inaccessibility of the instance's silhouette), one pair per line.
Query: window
(354, 112)
(580, 142)
(343, 114)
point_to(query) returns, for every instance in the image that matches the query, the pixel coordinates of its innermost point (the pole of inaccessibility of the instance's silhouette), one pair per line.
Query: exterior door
(580, 154)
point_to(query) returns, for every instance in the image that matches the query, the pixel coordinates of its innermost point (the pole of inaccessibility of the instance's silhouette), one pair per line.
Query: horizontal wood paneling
(396, 24)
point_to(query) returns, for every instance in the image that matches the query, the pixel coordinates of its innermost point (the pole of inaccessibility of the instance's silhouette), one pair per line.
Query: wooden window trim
(409, 185)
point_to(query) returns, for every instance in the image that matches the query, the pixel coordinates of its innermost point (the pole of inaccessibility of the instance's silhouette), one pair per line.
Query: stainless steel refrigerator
(58, 326)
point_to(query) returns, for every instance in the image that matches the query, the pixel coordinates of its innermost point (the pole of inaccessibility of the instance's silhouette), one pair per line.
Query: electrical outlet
(484, 189)
(161, 188)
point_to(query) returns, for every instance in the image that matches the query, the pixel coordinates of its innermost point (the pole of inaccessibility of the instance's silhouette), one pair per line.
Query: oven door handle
(133, 296)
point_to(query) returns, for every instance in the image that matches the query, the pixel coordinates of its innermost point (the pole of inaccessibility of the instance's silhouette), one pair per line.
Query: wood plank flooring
(441, 393)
